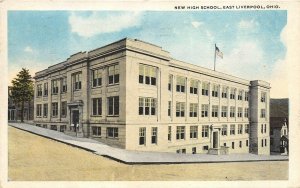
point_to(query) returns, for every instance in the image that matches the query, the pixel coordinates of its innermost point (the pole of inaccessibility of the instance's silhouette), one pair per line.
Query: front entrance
(75, 120)
(215, 139)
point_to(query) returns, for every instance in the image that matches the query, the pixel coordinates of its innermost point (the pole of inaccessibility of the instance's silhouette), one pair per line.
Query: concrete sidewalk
(140, 157)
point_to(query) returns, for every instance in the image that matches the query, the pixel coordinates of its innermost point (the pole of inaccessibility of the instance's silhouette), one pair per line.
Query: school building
(133, 95)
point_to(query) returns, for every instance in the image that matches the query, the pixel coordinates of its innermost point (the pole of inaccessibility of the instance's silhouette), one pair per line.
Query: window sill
(38, 116)
(96, 87)
(96, 115)
(76, 90)
(148, 85)
(95, 136)
(116, 84)
(45, 96)
(112, 138)
(54, 93)
(112, 116)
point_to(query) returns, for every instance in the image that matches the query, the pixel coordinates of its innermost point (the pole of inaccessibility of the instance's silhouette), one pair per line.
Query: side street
(61, 162)
(140, 157)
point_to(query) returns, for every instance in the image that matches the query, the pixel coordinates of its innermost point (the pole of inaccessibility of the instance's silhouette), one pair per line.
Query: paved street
(35, 158)
(137, 157)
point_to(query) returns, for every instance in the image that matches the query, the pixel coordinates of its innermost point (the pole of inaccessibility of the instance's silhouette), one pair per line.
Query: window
(142, 136)
(180, 109)
(224, 92)
(247, 128)
(240, 145)
(64, 85)
(215, 90)
(76, 78)
(265, 142)
(180, 132)
(45, 110)
(240, 95)
(46, 89)
(224, 111)
(147, 74)
(147, 106)
(262, 113)
(169, 108)
(232, 145)
(262, 142)
(265, 128)
(153, 106)
(194, 151)
(180, 84)
(232, 111)
(271, 131)
(39, 90)
(62, 128)
(247, 143)
(224, 130)
(232, 93)
(64, 109)
(204, 110)
(169, 133)
(113, 74)
(224, 144)
(112, 132)
(247, 96)
(240, 129)
(154, 135)
(232, 129)
(246, 113)
(53, 127)
(45, 126)
(38, 110)
(205, 148)
(214, 112)
(262, 128)
(170, 82)
(54, 86)
(205, 131)
(113, 106)
(194, 132)
(97, 107)
(205, 87)
(193, 109)
(96, 131)
(240, 111)
(54, 109)
(97, 77)
(263, 97)
(194, 87)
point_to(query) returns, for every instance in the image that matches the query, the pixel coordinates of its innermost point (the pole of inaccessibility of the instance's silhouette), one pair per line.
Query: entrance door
(75, 119)
(215, 139)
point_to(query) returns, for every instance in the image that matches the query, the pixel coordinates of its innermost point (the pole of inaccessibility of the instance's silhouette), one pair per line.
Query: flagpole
(215, 58)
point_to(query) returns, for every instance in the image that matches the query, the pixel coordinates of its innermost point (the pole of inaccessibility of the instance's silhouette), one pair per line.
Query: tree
(22, 89)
